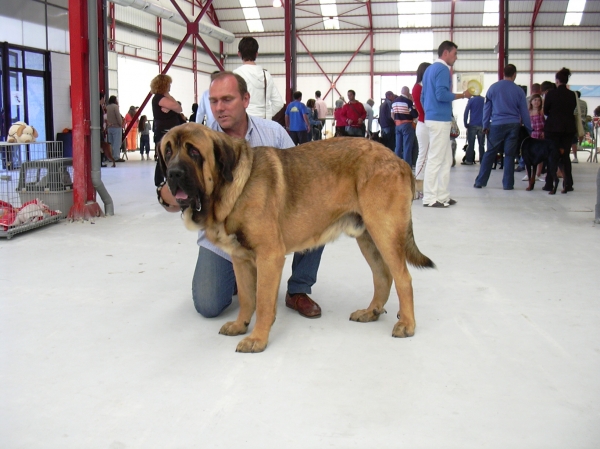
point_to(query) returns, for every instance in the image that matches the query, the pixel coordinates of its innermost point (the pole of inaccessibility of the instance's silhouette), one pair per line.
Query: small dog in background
(535, 151)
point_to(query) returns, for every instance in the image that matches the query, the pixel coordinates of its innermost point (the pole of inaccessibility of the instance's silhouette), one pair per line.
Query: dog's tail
(415, 257)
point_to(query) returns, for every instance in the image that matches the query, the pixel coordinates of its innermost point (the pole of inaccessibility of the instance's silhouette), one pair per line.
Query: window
(574, 13)
(491, 13)
(414, 14)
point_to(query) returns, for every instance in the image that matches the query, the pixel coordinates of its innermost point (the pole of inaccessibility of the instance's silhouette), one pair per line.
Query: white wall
(61, 93)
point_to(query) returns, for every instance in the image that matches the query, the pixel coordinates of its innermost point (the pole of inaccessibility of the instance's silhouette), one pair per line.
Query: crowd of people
(245, 104)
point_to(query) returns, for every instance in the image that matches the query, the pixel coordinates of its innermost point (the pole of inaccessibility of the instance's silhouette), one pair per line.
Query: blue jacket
(505, 104)
(475, 107)
(437, 97)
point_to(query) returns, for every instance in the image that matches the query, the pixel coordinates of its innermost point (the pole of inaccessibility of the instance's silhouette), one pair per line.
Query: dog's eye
(194, 152)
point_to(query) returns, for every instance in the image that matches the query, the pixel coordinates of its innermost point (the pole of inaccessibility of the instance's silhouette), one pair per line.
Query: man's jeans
(500, 137)
(114, 137)
(472, 132)
(405, 137)
(214, 284)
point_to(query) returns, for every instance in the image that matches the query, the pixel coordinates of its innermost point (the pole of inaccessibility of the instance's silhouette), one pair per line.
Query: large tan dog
(259, 204)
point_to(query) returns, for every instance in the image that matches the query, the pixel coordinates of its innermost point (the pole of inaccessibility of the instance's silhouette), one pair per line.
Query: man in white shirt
(321, 108)
(265, 100)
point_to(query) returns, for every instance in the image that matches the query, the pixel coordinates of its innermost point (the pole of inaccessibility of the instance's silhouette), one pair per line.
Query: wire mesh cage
(36, 186)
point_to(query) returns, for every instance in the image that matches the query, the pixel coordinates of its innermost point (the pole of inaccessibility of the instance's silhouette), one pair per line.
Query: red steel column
(84, 205)
(501, 40)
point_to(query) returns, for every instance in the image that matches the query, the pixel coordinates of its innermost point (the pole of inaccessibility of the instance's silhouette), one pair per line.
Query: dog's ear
(161, 160)
(225, 157)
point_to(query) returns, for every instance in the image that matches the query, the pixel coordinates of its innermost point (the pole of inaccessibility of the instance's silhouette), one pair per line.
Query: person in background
(194, 112)
(421, 132)
(133, 132)
(144, 128)
(114, 121)
(536, 115)
(340, 125)
(296, 120)
(354, 116)
(204, 114)
(386, 122)
(313, 120)
(265, 100)
(370, 116)
(473, 121)
(583, 108)
(167, 114)
(504, 111)
(403, 114)
(321, 109)
(437, 98)
(560, 127)
(182, 118)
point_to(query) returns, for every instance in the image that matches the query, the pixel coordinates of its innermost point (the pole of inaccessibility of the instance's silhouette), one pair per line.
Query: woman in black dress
(560, 127)
(166, 111)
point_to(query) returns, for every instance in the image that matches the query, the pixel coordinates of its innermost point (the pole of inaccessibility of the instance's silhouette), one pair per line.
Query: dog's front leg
(269, 276)
(245, 276)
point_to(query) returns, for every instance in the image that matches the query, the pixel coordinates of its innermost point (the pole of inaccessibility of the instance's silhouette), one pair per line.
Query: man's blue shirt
(475, 108)
(505, 104)
(437, 97)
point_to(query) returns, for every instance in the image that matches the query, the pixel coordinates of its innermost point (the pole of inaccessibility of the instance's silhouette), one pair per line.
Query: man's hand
(486, 131)
(467, 94)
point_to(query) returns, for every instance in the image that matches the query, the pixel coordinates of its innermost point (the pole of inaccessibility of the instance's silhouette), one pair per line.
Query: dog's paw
(233, 328)
(402, 330)
(366, 315)
(251, 344)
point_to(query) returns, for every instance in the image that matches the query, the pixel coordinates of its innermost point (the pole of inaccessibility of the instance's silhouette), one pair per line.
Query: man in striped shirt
(402, 114)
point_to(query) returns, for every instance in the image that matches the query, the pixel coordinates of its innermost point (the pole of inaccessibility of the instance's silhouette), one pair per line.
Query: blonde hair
(160, 84)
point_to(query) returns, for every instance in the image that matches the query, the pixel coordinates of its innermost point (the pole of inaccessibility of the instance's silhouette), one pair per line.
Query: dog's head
(197, 162)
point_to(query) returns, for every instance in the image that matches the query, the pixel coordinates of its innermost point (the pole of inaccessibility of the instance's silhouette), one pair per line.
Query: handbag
(454, 129)
(578, 122)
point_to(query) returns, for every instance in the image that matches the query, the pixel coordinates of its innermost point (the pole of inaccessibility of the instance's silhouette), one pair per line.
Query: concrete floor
(100, 346)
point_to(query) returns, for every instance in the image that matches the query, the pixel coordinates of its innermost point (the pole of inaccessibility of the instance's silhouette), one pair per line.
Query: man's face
(226, 103)
(450, 57)
(350, 96)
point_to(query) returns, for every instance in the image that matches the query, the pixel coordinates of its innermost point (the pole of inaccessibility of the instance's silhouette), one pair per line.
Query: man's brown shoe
(303, 304)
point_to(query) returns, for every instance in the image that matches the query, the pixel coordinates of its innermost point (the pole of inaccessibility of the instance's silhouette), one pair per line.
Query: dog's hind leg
(392, 246)
(269, 268)
(245, 275)
(382, 280)
(530, 175)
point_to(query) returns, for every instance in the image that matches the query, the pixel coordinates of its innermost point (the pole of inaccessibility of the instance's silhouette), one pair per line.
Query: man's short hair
(446, 46)
(297, 95)
(547, 85)
(241, 82)
(353, 93)
(510, 70)
(578, 94)
(536, 88)
(248, 48)
(318, 94)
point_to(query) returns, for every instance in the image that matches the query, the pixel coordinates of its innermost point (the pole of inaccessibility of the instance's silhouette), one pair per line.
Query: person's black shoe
(103, 165)
(467, 163)
(476, 186)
